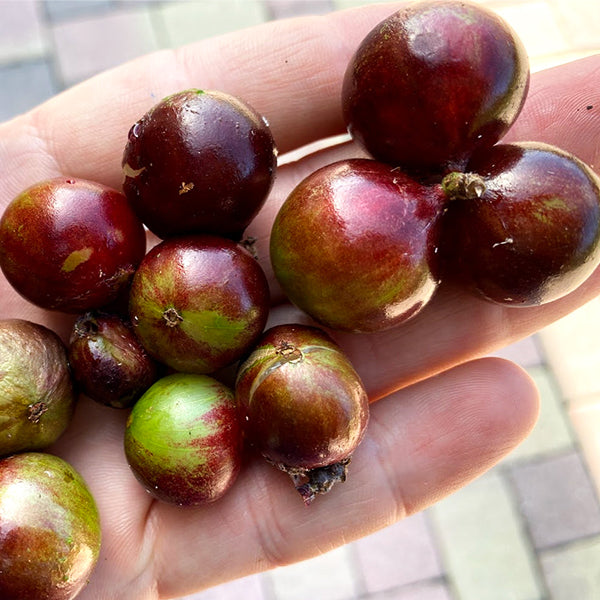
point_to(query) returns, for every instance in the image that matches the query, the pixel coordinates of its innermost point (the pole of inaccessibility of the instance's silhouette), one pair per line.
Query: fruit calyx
(311, 482)
(172, 317)
(463, 186)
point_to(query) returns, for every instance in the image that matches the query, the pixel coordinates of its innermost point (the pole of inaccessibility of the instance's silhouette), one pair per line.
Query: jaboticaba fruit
(355, 243)
(70, 245)
(49, 529)
(198, 303)
(433, 83)
(523, 224)
(108, 361)
(36, 390)
(302, 405)
(199, 162)
(183, 441)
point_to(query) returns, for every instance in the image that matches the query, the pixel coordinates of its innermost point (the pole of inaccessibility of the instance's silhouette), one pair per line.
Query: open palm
(443, 414)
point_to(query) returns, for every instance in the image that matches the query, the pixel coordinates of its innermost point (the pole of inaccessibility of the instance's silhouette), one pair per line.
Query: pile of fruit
(360, 245)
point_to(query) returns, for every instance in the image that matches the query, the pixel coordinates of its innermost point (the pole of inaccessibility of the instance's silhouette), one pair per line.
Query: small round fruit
(354, 245)
(198, 303)
(433, 83)
(70, 244)
(523, 226)
(302, 405)
(183, 441)
(36, 390)
(49, 529)
(199, 162)
(108, 361)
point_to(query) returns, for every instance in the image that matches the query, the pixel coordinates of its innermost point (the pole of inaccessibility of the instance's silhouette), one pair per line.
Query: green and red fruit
(302, 405)
(49, 529)
(198, 303)
(199, 162)
(354, 245)
(433, 83)
(183, 441)
(36, 390)
(108, 361)
(70, 244)
(523, 225)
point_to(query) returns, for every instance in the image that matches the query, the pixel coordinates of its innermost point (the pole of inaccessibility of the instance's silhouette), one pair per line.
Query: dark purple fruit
(198, 303)
(70, 244)
(49, 529)
(199, 162)
(434, 83)
(354, 245)
(523, 226)
(108, 361)
(183, 441)
(302, 406)
(36, 391)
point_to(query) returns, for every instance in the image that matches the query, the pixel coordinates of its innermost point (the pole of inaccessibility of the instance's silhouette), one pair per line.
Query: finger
(422, 444)
(289, 70)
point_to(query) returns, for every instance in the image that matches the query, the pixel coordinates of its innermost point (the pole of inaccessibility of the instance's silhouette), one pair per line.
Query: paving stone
(21, 31)
(573, 572)
(485, 551)
(557, 498)
(185, 22)
(552, 432)
(85, 47)
(248, 588)
(68, 9)
(331, 576)
(580, 24)
(525, 352)
(24, 86)
(282, 9)
(586, 423)
(397, 555)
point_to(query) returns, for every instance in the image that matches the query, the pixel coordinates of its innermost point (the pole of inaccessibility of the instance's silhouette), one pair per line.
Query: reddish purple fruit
(523, 225)
(36, 390)
(354, 245)
(302, 406)
(199, 162)
(70, 244)
(108, 361)
(49, 529)
(198, 303)
(433, 83)
(183, 441)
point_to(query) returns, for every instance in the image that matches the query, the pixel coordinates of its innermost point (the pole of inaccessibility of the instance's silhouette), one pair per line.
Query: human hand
(440, 418)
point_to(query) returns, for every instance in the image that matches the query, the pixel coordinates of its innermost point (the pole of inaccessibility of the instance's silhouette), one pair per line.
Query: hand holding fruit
(419, 446)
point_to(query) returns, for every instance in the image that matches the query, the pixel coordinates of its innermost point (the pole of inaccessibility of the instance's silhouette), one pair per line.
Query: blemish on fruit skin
(76, 258)
(184, 188)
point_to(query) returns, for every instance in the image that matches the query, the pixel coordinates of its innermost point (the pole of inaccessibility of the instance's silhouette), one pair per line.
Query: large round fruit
(354, 245)
(302, 405)
(199, 162)
(70, 244)
(523, 226)
(183, 441)
(433, 83)
(49, 529)
(198, 303)
(36, 390)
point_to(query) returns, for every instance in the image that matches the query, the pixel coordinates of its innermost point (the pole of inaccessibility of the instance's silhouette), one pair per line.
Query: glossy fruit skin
(302, 404)
(108, 361)
(433, 83)
(183, 441)
(354, 245)
(532, 232)
(198, 303)
(37, 396)
(69, 244)
(49, 528)
(199, 162)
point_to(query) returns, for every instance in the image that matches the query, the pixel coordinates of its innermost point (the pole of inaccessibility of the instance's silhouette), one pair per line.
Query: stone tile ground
(529, 529)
